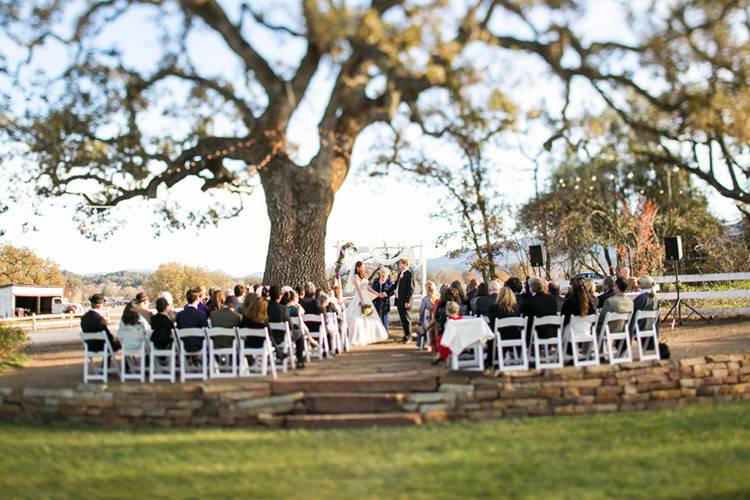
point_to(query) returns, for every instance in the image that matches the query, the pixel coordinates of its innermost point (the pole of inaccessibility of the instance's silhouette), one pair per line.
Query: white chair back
(511, 354)
(90, 355)
(285, 346)
(618, 342)
(263, 356)
(155, 371)
(198, 359)
(647, 336)
(581, 336)
(548, 352)
(222, 361)
(320, 337)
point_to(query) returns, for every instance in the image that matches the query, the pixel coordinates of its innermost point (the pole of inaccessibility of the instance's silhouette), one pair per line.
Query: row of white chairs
(550, 351)
(211, 360)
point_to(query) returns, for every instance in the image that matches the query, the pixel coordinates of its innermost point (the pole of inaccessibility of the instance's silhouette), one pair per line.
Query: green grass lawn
(700, 451)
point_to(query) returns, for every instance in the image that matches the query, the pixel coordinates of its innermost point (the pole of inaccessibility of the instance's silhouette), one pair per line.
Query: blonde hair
(647, 282)
(405, 261)
(432, 291)
(452, 308)
(506, 300)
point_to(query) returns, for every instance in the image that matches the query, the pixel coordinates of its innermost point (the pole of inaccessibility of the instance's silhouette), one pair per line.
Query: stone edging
(410, 398)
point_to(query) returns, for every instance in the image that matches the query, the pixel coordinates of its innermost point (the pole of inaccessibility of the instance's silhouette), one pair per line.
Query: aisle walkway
(59, 365)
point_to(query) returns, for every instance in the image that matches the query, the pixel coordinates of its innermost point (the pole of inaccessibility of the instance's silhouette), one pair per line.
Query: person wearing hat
(646, 301)
(142, 303)
(94, 321)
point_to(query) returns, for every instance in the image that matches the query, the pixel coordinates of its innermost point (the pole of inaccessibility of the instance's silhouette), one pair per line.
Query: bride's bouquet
(367, 309)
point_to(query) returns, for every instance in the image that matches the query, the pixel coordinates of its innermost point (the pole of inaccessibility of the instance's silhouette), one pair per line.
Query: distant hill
(120, 278)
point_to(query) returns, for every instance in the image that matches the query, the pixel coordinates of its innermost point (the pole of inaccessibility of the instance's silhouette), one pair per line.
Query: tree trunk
(299, 202)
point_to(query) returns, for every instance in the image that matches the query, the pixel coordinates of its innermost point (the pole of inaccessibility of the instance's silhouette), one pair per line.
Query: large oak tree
(87, 131)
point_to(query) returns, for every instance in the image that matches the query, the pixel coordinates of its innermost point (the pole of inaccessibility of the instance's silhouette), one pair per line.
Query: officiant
(382, 304)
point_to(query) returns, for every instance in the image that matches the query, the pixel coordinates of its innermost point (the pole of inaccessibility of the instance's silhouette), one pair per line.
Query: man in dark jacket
(484, 304)
(537, 305)
(191, 317)
(403, 289)
(94, 322)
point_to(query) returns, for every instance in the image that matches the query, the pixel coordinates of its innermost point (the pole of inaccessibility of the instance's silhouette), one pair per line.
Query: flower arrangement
(367, 309)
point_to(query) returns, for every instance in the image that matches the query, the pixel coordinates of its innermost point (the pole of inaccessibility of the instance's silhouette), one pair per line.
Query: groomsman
(403, 290)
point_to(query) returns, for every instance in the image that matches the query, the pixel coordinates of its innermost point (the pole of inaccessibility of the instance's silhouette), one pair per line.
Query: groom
(403, 289)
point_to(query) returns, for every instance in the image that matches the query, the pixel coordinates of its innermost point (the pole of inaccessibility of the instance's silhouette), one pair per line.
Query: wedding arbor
(384, 255)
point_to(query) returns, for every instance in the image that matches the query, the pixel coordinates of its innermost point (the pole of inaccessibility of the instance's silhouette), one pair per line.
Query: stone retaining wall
(407, 399)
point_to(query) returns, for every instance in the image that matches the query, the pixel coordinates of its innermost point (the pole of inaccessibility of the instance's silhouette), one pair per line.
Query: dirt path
(59, 364)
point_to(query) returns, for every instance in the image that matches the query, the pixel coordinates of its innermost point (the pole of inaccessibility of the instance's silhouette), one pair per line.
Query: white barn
(34, 299)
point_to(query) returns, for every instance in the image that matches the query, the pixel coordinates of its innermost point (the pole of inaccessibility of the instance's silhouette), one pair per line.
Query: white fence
(37, 322)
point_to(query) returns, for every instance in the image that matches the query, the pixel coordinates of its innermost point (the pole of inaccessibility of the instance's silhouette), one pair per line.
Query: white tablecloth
(460, 334)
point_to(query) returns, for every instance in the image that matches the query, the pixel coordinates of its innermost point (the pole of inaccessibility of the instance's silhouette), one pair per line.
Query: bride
(364, 329)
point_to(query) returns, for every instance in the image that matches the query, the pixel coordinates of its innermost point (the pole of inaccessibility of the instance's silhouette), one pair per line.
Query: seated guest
(472, 289)
(202, 298)
(608, 285)
(437, 325)
(537, 305)
(191, 317)
(162, 325)
(141, 304)
(338, 298)
(646, 301)
(505, 307)
(633, 285)
(516, 286)
(225, 317)
(453, 312)
(216, 302)
(307, 299)
(554, 290)
(463, 301)
(240, 292)
(484, 303)
(279, 313)
(258, 289)
(133, 330)
(94, 322)
(427, 311)
(255, 315)
(580, 302)
(170, 300)
(619, 303)
(294, 308)
(481, 291)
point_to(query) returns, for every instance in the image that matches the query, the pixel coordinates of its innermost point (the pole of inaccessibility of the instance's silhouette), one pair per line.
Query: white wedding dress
(364, 330)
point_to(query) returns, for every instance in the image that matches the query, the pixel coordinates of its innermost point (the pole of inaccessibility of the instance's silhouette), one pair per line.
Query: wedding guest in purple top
(202, 307)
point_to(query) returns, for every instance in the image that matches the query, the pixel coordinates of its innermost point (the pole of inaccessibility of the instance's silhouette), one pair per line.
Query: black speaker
(535, 256)
(673, 247)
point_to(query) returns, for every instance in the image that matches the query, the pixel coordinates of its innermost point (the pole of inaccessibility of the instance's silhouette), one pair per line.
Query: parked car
(61, 305)
(589, 276)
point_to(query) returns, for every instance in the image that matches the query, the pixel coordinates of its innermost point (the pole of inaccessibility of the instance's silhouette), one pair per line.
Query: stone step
(351, 420)
(343, 403)
(356, 385)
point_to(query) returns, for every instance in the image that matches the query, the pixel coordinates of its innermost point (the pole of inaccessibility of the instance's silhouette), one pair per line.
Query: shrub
(12, 340)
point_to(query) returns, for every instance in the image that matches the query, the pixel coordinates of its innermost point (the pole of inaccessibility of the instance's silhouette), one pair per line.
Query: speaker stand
(676, 310)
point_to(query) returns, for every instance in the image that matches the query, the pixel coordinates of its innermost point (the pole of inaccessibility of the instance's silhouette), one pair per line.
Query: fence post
(33, 321)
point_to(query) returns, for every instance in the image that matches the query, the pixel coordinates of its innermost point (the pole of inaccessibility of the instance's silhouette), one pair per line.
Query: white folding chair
(89, 356)
(133, 357)
(156, 356)
(623, 352)
(512, 354)
(198, 358)
(332, 324)
(286, 345)
(298, 324)
(222, 361)
(263, 357)
(321, 336)
(471, 358)
(645, 335)
(581, 335)
(548, 352)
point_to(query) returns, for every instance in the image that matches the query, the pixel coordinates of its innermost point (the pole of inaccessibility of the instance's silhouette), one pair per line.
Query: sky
(393, 210)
